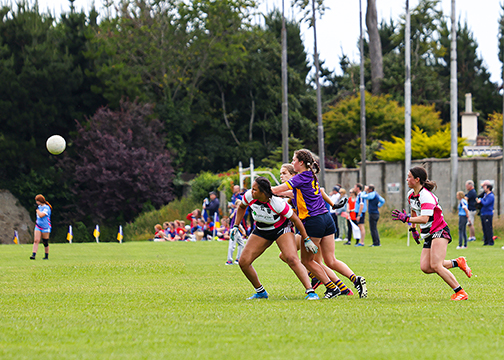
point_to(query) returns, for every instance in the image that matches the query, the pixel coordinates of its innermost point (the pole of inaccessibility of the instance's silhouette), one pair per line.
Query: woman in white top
(272, 215)
(426, 211)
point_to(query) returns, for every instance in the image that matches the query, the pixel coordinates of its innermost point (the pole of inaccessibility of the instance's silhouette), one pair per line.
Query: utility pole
(285, 104)
(362, 102)
(407, 101)
(453, 108)
(320, 129)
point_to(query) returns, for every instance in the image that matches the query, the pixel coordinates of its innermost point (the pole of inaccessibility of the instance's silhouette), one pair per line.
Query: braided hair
(264, 186)
(306, 156)
(421, 173)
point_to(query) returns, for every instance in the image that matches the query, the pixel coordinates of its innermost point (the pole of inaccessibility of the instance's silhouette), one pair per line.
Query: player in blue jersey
(318, 223)
(42, 226)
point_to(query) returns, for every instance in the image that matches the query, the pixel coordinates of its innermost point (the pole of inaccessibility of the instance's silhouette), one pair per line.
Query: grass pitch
(146, 300)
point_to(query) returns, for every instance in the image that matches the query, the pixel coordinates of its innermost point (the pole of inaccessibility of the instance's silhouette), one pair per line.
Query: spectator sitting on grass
(173, 232)
(193, 217)
(160, 234)
(223, 231)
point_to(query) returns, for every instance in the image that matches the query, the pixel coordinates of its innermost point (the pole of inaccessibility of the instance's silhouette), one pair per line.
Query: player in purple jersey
(286, 173)
(272, 216)
(42, 226)
(318, 223)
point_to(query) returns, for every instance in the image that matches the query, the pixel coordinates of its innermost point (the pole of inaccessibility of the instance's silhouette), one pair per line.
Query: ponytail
(308, 159)
(421, 173)
(41, 198)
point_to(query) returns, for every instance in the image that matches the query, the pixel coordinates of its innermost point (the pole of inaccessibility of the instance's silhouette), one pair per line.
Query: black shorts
(273, 235)
(319, 226)
(444, 233)
(361, 220)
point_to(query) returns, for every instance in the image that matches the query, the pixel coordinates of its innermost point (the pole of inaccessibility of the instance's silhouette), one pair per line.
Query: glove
(415, 234)
(402, 216)
(340, 204)
(233, 233)
(310, 246)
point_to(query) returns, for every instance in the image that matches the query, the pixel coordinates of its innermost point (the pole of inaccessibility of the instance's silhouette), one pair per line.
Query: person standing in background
(213, 206)
(471, 206)
(360, 209)
(463, 213)
(487, 209)
(342, 222)
(352, 215)
(335, 196)
(375, 201)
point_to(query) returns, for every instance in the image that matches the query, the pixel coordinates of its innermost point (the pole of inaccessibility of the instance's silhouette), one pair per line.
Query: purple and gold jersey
(307, 196)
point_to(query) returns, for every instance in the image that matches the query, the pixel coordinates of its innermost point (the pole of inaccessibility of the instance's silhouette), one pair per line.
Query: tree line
(156, 89)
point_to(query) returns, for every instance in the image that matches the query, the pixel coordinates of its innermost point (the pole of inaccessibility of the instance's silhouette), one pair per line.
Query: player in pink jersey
(426, 211)
(272, 216)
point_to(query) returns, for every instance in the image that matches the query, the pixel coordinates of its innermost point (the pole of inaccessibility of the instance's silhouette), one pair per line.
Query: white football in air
(56, 144)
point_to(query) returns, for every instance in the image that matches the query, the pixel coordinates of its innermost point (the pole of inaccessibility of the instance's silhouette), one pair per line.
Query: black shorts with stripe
(273, 235)
(444, 233)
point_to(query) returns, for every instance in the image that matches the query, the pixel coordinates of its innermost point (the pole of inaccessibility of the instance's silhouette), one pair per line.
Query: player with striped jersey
(271, 215)
(426, 211)
(318, 223)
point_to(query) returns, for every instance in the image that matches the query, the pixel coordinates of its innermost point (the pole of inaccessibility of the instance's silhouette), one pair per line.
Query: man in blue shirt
(360, 209)
(213, 206)
(375, 201)
(471, 206)
(486, 212)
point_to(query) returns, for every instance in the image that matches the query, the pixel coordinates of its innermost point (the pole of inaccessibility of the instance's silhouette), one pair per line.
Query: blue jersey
(44, 223)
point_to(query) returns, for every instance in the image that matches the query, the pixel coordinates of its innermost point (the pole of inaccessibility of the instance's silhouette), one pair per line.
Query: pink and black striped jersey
(270, 215)
(426, 203)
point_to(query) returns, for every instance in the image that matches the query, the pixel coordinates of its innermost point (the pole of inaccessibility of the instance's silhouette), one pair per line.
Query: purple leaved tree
(120, 164)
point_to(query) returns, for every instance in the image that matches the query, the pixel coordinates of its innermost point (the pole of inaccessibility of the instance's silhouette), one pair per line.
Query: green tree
(38, 80)
(422, 146)
(384, 119)
(472, 75)
(493, 128)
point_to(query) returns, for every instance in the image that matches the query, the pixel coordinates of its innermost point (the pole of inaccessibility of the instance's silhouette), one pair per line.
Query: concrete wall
(389, 178)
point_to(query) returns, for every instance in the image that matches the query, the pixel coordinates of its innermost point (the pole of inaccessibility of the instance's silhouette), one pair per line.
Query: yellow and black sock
(352, 278)
(330, 285)
(341, 285)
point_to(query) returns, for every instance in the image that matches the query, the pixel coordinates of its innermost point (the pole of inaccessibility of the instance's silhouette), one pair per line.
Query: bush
(142, 228)
(203, 184)
(422, 146)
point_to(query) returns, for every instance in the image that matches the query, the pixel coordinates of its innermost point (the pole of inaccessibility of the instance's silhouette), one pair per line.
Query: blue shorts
(319, 226)
(43, 230)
